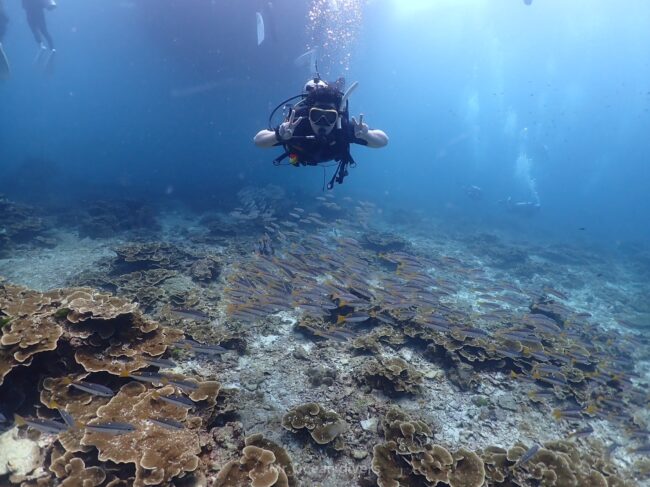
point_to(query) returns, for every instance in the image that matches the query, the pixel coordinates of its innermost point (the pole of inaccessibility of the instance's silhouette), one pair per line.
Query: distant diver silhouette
(35, 10)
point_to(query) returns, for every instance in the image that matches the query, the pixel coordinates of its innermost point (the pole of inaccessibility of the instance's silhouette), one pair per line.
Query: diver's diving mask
(319, 116)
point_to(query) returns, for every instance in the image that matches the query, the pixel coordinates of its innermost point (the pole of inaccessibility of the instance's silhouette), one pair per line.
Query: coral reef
(321, 376)
(393, 376)
(76, 473)
(263, 464)
(383, 242)
(158, 453)
(154, 274)
(205, 269)
(141, 286)
(94, 326)
(19, 224)
(104, 218)
(282, 458)
(85, 345)
(498, 368)
(18, 456)
(323, 426)
(408, 457)
(144, 256)
(555, 463)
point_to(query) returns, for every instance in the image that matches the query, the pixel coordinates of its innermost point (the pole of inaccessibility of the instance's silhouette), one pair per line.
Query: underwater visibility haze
(324, 243)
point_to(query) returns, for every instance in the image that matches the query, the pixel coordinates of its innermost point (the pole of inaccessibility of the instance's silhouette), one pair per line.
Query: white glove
(286, 129)
(360, 128)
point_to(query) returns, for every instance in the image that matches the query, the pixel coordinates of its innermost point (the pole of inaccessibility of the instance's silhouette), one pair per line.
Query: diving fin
(260, 28)
(41, 55)
(48, 68)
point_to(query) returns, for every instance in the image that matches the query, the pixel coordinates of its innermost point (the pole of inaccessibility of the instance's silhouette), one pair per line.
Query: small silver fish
(111, 428)
(92, 388)
(435, 326)
(642, 450)
(504, 352)
(528, 454)
(180, 401)
(183, 385)
(356, 317)
(571, 413)
(610, 450)
(43, 425)
(161, 363)
(541, 394)
(151, 377)
(470, 332)
(67, 417)
(554, 381)
(581, 433)
(339, 335)
(547, 368)
(200, 347)
(638, 434)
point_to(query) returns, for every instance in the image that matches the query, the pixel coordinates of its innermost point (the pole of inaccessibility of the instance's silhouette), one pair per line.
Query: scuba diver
(318, 129)
(4, 62)
(474, 192)
(35, 10)
(523, 208)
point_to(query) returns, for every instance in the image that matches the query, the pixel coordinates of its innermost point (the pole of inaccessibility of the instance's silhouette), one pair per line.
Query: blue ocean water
(151, 95)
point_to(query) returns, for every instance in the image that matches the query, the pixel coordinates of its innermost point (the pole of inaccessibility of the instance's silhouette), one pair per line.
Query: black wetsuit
(35, 10)
(4, 20)
(334, 147)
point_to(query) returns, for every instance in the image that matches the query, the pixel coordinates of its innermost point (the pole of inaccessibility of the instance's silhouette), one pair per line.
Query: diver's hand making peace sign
(360, 128)
(286, 129)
